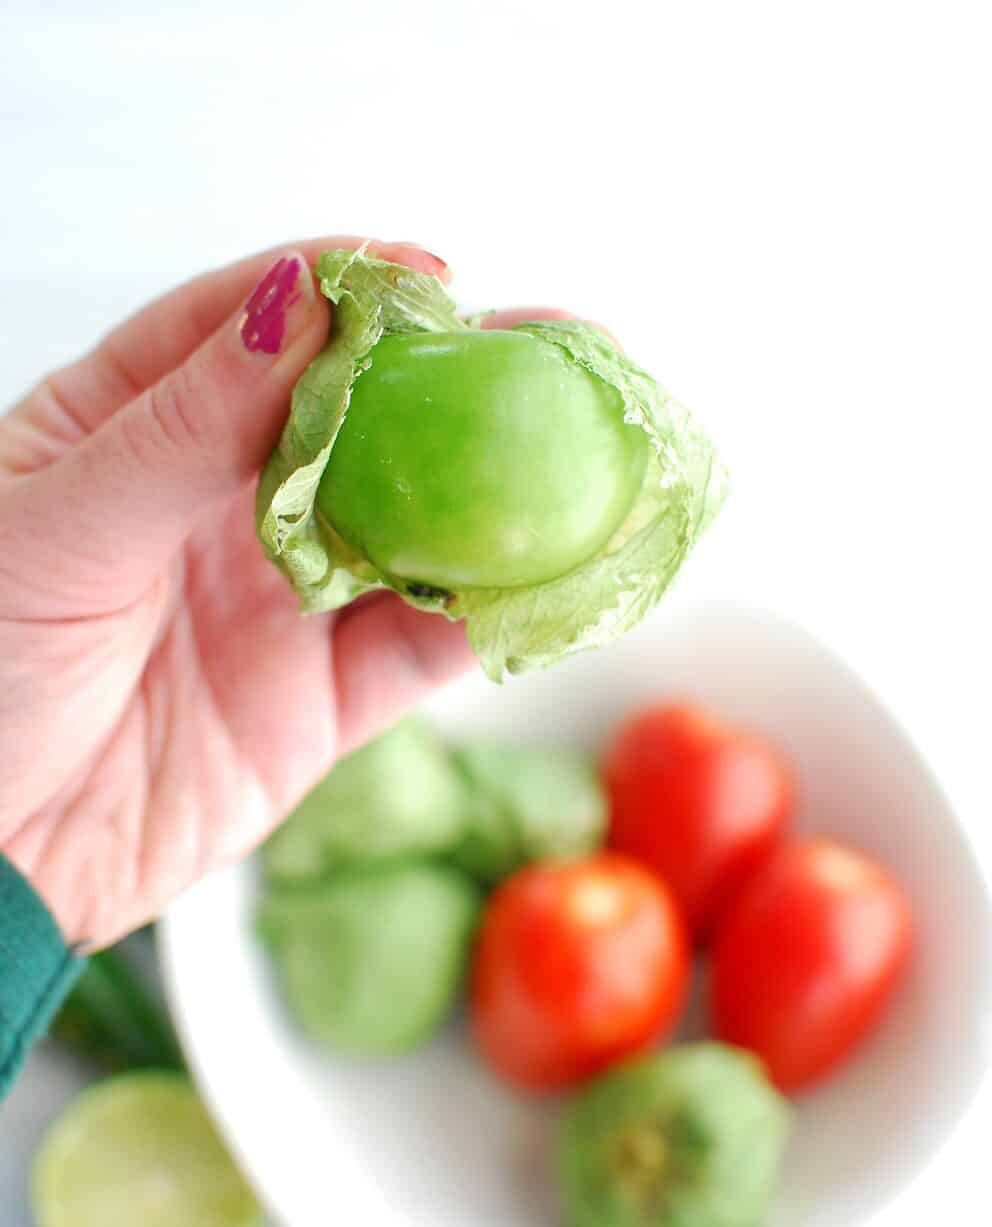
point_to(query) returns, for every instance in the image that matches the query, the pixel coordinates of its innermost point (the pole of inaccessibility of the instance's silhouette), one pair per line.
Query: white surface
(783, 209)
(432, 1141)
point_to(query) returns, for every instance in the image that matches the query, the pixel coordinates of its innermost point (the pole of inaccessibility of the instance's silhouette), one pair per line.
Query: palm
(223, 707)
(218, 713)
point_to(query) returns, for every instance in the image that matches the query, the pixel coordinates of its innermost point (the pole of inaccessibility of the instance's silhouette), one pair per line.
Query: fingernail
(424, 261)
(437, 259)
(269, 321)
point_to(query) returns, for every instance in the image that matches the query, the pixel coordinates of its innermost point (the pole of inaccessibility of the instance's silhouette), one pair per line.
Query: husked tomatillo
(480, 459)
(535, 482)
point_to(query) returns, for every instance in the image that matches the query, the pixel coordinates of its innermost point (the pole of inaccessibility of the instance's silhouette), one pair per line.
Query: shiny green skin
(691, 1137)
(480, 459)
(371, 961)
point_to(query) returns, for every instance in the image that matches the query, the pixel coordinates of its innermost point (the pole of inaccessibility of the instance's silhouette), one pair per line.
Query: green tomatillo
(533, 481)
(523, 804)
(371, 960)
(397, 796)
(480, 460)
(689, 1137)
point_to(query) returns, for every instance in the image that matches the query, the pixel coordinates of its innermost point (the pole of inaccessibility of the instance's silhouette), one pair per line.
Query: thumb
(112, 512)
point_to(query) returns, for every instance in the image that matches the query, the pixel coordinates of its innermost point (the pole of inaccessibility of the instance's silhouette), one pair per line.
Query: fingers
(107, 516)
(386, 657)
(164, 334)
(509, 317)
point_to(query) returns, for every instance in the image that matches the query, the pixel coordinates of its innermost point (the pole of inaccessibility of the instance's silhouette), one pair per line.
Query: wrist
(54, 891)
(37, 969)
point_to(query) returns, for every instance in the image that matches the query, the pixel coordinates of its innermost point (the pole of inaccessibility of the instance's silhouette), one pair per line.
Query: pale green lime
(138, 1149)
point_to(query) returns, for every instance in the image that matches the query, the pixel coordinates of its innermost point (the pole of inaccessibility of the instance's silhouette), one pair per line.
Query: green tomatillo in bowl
(533, 481)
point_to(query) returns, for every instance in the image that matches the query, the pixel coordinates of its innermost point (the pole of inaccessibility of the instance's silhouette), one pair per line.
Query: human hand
(162, 702)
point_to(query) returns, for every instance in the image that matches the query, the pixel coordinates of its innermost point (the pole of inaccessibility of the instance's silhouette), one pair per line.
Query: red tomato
(702, 803)
(578, 964)
(808, 958)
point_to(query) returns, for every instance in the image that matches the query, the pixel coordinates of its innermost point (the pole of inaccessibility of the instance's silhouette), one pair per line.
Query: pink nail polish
(263, 326)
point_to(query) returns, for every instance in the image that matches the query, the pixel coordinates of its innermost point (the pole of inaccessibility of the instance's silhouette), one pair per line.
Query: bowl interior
(432, 1139)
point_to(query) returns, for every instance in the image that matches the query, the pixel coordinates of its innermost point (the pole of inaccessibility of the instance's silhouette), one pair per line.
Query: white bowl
(432, 1141)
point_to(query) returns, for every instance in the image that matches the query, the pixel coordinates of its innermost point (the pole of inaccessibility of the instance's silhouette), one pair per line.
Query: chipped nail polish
(263, 325)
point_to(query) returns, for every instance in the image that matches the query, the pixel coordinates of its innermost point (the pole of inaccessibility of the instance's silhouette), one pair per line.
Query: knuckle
(181, 408)
(178, 413)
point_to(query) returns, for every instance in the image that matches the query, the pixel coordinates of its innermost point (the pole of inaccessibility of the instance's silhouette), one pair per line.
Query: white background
(784, 209)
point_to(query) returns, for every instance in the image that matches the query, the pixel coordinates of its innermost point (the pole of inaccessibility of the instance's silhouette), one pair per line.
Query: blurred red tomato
(702, 803)
(578, 964)
(807, 959)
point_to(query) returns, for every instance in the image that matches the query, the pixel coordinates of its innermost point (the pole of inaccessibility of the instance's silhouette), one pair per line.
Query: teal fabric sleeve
(36, 970)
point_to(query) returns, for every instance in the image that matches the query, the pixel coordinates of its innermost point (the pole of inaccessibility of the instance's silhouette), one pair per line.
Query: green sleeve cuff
(36, 970)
